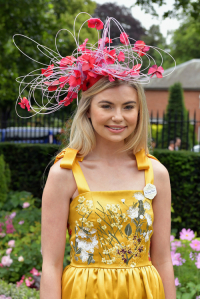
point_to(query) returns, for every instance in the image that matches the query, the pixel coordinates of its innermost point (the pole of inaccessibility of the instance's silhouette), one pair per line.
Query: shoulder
(61, 178)
(161, 174)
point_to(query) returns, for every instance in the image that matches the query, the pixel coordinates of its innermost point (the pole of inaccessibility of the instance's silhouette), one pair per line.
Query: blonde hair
(82, 136)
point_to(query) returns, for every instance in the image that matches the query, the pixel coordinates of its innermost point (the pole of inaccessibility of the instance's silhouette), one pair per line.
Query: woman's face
(114, 113)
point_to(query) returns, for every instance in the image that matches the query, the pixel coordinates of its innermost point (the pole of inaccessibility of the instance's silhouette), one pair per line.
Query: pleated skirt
(117, 283)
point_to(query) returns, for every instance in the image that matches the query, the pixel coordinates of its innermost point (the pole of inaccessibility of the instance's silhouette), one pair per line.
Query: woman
(104, 186)
(113, 117)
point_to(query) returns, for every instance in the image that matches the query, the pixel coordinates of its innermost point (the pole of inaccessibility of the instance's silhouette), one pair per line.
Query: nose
(117, 116)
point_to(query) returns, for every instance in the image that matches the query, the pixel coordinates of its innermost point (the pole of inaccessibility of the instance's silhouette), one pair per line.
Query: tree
(122, 14)
(185, 41)
(175, 120)
(188, 7)
(39, 20)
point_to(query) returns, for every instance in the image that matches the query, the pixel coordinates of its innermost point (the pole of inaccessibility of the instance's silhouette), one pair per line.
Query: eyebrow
(129, 102)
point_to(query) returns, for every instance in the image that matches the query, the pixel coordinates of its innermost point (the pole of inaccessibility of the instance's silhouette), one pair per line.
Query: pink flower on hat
(69, 98)
(24, 104)
(49, 71)
(75, 79)
(140, 47)
(124, 38)
(95, 23)
(156, 70)
(121, 56)
(106, 40)
(82, 47)
(187, 234)
(87, 62)
(110, 56)
(52, 85)
(63, 80)
(68, 60)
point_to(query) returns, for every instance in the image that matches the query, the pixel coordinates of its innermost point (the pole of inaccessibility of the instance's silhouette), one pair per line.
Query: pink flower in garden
(176, 259)
(29, 281)
(1, 224)
(25, 205)
(195, 245)
(1, 265)
(21, 222)
(35, 272)
(21, 281)
(171, 238)
(198, 261)
(18, 283)
(177, 283)
(9, 226)
(2, 235)
(175, 245)
(11, 243)
(12, 215)
(187, 234)
(8, 251)
(6, 261)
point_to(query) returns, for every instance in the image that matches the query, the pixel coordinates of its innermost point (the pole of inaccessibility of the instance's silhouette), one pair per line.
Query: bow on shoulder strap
(70, 161)
(69, 158)
(144, 163)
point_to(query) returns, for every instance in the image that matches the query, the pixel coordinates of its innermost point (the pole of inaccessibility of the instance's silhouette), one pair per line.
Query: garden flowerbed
(21, 256)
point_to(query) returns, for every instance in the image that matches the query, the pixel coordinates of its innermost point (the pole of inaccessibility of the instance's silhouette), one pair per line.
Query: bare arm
(58, 190)
(160, 242)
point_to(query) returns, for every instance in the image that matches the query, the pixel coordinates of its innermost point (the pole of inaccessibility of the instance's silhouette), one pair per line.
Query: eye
(106, 106)
(129, 107)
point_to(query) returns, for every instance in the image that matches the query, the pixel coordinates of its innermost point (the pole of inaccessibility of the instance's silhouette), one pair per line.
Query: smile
(116, 129)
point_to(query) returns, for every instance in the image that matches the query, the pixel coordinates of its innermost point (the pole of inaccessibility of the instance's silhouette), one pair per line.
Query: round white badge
(150, 191)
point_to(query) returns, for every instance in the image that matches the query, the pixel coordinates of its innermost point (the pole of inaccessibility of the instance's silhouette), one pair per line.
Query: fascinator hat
(61, 80)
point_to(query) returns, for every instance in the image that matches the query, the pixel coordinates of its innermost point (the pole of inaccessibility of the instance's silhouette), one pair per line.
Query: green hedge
(184, 171)
(28, 163)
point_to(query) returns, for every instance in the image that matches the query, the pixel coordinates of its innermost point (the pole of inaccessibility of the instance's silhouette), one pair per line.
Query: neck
(110, 151)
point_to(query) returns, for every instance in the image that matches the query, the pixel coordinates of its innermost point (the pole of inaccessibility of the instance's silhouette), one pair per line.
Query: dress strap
(71, 161)
(144, 163)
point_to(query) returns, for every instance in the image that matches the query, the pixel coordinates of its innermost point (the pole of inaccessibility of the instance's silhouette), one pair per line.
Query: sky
(147, 19)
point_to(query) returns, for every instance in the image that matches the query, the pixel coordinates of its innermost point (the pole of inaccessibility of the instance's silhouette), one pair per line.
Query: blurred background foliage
(41, 20)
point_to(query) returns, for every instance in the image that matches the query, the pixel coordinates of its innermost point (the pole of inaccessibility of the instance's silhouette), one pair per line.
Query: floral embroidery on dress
(114, 223)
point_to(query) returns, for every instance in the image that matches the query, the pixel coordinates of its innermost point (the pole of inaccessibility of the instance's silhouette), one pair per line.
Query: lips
(116, 127)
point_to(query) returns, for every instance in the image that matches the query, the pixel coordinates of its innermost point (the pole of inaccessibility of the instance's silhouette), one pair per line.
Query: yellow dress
(110, 235)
